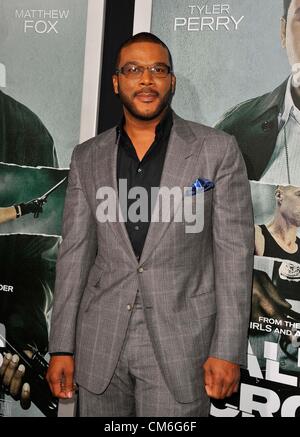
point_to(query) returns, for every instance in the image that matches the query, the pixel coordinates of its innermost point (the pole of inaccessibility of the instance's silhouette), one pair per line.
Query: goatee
(166, 102)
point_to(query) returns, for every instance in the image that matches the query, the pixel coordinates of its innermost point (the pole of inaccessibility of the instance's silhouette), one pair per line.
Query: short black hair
(143, 37)
(286, 7)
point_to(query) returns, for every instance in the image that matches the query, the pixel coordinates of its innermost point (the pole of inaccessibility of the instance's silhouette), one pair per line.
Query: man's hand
(11, 375)
(266, 301)
(60, 376)
(34, 206)
(221, 378)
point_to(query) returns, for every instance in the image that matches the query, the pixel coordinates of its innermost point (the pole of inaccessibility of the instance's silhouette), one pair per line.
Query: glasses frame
(143, 68)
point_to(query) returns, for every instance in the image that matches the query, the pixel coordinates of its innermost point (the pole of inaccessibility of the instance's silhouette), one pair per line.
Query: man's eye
(133, 69)
(158, 69)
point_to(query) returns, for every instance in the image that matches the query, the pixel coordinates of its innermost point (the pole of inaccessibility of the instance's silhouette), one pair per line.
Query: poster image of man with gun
(40, 123)
(23, 375)
(34, 206)
(24, 313)
(27, 265)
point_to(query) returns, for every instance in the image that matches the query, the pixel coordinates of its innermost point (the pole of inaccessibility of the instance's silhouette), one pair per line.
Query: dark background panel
(119, 17)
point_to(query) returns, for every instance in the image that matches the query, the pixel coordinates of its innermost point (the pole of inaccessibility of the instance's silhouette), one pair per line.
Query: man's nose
(146, 77)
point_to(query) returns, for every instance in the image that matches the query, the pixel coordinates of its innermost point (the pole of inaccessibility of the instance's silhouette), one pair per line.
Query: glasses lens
(159, 70)
(131, 70)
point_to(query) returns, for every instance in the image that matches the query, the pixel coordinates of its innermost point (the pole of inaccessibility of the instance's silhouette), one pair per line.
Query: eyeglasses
(133, 71)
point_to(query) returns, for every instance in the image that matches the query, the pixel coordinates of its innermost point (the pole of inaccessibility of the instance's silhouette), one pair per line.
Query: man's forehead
(289, 189)
(144, 52)
(295, 4)
(295, 190)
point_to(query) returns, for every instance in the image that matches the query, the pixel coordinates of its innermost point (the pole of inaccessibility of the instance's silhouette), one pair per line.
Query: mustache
(146, 90)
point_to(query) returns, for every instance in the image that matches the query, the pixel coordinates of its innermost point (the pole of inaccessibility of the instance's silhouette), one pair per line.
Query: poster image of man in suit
(267, 127)
(268, 132)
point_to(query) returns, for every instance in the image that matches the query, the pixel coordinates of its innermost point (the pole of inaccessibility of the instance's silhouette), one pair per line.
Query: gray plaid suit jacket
(196, 288)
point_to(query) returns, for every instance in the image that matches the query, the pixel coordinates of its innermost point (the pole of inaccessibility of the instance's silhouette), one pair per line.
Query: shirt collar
(289, 107)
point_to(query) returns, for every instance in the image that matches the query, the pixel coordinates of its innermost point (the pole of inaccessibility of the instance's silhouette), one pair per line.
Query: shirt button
(129, 307)
(140, 171)
(140, 269)
(137, 228)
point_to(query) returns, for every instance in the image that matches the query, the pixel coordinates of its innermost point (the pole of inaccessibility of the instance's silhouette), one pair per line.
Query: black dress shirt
(145, 173)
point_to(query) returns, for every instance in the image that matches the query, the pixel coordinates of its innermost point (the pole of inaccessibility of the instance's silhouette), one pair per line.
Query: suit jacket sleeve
(76, 256)
(233, 245)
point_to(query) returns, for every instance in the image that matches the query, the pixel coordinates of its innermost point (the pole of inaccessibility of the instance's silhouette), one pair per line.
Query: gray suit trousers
(137, 387)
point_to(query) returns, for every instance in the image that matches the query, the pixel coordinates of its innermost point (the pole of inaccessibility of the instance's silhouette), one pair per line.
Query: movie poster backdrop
(227, 54)
(45, 74)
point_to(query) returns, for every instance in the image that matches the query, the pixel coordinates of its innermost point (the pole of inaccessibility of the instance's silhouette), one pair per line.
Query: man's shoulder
(251, 108)
(208, 131)
(201, 131)
(17, 109)
(240, 111)
(212, 142)
(105, 138)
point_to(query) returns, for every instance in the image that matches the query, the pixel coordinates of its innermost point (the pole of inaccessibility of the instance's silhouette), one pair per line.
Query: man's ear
(173, 84)
(115, 81)
(278, 196)
(283, 32)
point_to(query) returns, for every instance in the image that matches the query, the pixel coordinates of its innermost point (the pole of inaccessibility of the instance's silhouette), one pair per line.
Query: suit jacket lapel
(106, 175)
(182, 153)
(259, 138)
(269, 102)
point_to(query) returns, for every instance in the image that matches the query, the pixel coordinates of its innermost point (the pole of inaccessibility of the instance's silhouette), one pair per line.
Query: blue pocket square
(201, 185)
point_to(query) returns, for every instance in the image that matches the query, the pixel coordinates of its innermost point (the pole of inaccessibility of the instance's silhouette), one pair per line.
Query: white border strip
(92, 69)
(142, 16)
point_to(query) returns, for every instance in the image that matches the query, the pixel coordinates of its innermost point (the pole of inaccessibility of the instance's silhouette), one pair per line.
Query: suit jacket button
(140, 270)
(267, 125)
(129, 307)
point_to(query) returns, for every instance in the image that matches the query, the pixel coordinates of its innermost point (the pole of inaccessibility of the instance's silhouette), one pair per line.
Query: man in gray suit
(151, 318)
